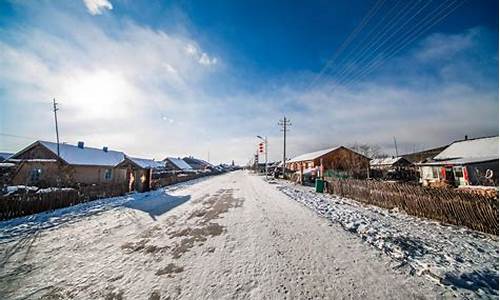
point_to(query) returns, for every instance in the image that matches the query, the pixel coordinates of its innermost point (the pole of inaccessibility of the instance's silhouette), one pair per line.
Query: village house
(337, 162)
(140, 172)
(394, 168)
(177, 164)
(198, 164)
(40, 165)
(469, 162)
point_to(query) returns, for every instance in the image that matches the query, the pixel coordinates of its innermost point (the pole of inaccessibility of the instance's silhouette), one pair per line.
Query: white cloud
(134, 89)
(199, 55)
(97, 7)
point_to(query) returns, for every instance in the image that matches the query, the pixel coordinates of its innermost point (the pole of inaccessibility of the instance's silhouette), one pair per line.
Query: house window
(36, 174)
(108, 174)
(458, 172)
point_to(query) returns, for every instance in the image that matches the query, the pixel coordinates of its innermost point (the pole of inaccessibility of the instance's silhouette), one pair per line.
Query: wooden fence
(17, 205)
(450, 206)
(164, 180)
(24, 204)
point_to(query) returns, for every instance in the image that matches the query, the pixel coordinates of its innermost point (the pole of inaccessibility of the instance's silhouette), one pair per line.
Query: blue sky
(191, 77)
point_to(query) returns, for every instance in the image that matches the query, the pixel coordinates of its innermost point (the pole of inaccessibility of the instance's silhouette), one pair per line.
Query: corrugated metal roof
(474, 148)
(385, 161)
(179, 163)
(312, 155)
(86, 155)
(460, 161)
(147, 163)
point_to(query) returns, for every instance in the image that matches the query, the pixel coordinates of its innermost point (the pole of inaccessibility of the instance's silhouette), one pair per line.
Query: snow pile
(53, 189)
(454, 256)
(12, 189)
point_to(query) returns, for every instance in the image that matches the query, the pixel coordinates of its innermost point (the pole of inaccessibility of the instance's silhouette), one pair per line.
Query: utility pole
(284, 123)
(396, 146)
(57, 129)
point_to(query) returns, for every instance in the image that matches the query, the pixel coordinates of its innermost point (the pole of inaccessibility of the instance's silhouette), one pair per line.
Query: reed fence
(451, 206)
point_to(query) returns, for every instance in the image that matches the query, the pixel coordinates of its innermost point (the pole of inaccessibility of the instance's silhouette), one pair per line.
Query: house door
(450, 178)
(131, 180)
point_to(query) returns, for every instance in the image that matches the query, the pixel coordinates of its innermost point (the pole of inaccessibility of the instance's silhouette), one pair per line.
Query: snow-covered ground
(226, 237)
(455, 256)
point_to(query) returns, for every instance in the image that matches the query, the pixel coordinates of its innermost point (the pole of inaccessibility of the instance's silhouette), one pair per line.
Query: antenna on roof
(57, 129)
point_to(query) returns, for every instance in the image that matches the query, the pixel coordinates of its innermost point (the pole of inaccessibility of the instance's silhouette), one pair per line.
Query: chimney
(466, 137)
(80, 145)
(105, 149)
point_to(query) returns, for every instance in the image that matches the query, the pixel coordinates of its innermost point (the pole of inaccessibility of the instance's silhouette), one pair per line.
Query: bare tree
(368, 150)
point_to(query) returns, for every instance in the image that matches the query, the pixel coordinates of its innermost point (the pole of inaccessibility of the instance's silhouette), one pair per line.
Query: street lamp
(265, 143)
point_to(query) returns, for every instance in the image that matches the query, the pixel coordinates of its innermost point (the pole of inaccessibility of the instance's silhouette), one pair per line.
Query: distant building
(40, 165)
(463, 163)
(393, 168)
(198, 164)
(388, 163)
(337, 162)
(177, 164)
(140, 171)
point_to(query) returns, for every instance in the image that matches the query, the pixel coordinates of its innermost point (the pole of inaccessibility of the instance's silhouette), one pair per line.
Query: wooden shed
(140, 171)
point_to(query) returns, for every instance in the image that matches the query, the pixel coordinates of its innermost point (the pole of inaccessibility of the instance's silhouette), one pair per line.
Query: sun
(100, 94)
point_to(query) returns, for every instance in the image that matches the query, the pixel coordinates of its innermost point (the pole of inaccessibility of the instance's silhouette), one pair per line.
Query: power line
(402, 44)
(347, 41)
(17, 136)
(411, 30)
(352, 52)
(365, 55)
(378, 37)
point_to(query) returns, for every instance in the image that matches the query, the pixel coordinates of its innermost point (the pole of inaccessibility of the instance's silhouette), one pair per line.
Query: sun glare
(99, 94)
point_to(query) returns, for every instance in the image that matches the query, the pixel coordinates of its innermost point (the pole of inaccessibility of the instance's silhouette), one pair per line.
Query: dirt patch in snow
(201, 227)
(212, 208)
(216, 205)
(169, 270)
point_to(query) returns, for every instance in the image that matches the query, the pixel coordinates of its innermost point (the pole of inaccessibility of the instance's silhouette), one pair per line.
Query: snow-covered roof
(74, 155)
(312, 155)
(196, 162)
(179, 163)
(460, 161)
(474, 148)
(147, 163)
(386, 161)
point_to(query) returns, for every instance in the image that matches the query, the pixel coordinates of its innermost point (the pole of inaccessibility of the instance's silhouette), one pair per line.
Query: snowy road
(226, 237)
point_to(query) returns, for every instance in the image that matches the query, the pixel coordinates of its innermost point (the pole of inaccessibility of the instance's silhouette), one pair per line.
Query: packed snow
(454, 256)
(224, 237)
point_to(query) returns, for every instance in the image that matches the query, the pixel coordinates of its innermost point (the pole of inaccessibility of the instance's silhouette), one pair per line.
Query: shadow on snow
(486, 280)
(155, 203)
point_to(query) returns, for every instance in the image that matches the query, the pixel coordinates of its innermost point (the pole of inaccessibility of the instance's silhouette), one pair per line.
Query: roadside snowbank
(454, 256)
(11, 229)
